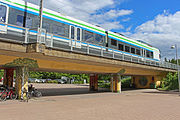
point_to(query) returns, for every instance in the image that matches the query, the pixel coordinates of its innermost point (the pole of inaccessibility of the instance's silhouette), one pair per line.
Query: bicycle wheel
(38, 94)
(13, 96)
(3, 97)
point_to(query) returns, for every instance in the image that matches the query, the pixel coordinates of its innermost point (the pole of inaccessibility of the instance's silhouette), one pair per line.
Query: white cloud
(91, 11)
(162, 32)
(108, 20)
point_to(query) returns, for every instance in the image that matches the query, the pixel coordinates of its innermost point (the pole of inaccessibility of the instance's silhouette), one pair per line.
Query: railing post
(51, 40)
(123, 56)
(113, 53)
(101, 51)
(71, 45)
(26, 35)
(131, 58)
(87, 48)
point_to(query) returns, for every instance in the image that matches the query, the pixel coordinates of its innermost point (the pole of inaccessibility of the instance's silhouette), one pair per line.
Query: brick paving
(130, 105)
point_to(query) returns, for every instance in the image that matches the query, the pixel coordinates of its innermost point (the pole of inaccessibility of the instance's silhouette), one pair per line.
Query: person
(30, 88)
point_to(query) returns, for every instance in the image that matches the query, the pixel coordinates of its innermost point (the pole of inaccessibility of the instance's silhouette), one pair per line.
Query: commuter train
(24, 14)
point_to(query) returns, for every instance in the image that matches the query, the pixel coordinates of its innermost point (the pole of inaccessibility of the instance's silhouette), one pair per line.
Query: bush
(104, 85)
(126, 82)
(170, 82)
(78, 82)
(53, 81)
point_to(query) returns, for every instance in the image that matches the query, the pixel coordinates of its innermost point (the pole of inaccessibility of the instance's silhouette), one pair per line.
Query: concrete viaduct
(54, 60)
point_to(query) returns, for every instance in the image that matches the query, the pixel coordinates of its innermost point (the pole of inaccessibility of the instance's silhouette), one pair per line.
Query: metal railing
(25, 36)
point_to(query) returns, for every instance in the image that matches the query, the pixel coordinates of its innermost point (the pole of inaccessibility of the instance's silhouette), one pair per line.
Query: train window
(152, 55)
(56, 29)
(132, 50)
(138, 52)
(88, 36)
(99, 38)
(20, 20)
(78, 34)
(121, 47)
(72, 32)
(47, 26)
(147, 53)
(127, 48)
(28, 22)
(113, 42)
(3, 10)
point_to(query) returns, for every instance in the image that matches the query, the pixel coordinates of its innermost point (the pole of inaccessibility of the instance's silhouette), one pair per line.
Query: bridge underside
(60, 64)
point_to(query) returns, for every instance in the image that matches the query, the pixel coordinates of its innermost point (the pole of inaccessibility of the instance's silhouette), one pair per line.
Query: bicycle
(7, 93)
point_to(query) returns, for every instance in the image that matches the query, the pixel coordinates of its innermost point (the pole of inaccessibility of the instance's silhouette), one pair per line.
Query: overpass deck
(23, 44)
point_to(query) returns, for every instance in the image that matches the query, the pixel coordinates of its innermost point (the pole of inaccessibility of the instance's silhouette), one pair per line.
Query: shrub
(126, 82)
(53, 81)
(170, 82)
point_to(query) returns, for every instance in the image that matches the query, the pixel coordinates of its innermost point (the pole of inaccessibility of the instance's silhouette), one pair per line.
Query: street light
(176, 47)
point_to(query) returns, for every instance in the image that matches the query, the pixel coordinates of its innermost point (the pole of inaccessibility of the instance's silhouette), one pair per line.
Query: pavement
(142, 104)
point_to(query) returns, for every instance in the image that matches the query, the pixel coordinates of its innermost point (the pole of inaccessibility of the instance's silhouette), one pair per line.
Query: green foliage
(1, 73)
(55, 75)
(174, 61)
(104, 77)
(104, 85)
(126, 82)
(78, 82)
(21, 62)
(170, 82)
(53, 81)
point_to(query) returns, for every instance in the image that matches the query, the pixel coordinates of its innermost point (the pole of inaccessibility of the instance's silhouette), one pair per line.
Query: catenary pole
(40, 14)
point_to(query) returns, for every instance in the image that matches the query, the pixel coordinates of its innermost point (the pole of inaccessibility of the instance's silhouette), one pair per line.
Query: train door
(75, 36)
(4, 10)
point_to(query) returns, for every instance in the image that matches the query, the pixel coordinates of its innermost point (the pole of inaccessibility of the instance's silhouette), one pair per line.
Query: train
(64, 28)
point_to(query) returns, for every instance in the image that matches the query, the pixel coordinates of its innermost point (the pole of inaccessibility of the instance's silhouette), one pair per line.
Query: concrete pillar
(8, 77)
(115, 83)
(21, 84)
(93, 83)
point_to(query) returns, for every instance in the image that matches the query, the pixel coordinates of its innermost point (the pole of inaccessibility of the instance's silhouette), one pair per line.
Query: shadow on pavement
(163, 92)
(68, 91)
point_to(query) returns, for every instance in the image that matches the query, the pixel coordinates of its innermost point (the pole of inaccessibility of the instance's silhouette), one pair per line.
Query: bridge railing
(26, 36)
(91, 49)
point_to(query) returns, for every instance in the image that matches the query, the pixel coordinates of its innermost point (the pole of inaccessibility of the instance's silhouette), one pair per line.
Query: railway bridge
(74, 57)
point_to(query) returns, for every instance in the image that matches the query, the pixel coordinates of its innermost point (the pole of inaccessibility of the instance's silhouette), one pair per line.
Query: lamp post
(176, 47)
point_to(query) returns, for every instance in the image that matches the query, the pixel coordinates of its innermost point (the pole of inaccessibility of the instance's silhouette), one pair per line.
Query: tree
(170, 82)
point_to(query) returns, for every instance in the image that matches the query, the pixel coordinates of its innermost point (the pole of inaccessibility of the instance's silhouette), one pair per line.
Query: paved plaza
(74, 102)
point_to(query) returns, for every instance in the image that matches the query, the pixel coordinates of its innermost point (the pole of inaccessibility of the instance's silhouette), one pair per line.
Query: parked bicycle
(6, 92)
(32, 92)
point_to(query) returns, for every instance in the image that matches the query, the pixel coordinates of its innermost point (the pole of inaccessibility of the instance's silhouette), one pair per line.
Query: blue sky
(145, 10)
(156, 22)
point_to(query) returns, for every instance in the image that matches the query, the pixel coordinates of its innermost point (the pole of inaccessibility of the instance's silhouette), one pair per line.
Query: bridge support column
(8, 77)
(147, 81)
(115, 83)
(93, 83)
(21, 84)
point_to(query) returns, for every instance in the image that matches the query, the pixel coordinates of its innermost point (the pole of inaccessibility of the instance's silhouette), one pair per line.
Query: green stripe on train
(131, 41)
(57, 16)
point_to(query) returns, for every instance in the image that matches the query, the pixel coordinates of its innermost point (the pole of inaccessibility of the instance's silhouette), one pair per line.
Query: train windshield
(3, 10)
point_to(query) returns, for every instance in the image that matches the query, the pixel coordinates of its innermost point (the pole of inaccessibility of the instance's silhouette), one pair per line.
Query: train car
(132, 47)
(65, 28)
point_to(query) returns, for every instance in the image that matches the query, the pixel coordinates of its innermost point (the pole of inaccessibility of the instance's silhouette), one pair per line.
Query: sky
(156, 22)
